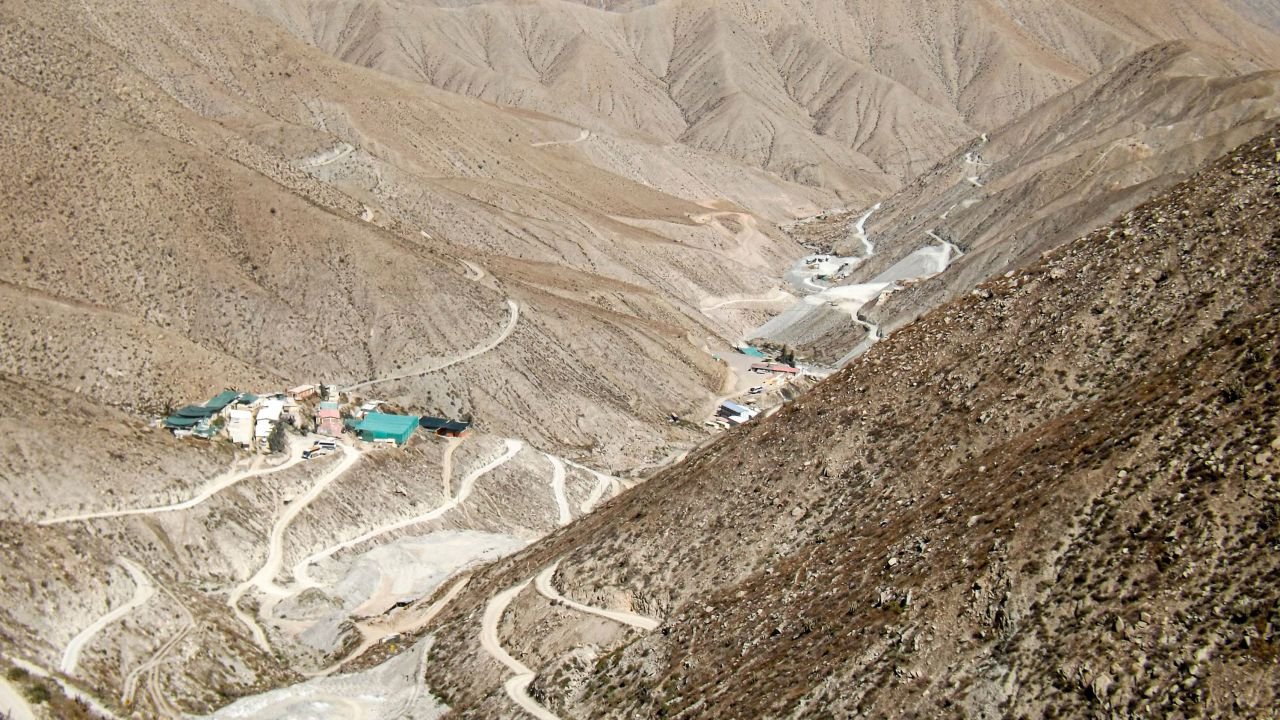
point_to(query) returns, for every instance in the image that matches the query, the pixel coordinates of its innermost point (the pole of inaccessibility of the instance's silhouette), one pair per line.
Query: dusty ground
(203, 197)
(1050, 497)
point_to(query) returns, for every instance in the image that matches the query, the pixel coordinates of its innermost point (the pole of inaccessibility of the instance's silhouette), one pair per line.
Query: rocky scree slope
(1054, 497)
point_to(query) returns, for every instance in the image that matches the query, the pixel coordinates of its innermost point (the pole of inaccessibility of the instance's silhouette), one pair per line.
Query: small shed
(381, 426)
(302, 392)
(444, 427)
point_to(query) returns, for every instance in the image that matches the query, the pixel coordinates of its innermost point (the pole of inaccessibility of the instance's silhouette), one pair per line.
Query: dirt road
(544, 585)
(517, 686)
(143, 591)
(448, 362)
(300, 570)
(557, 489)
(264, 579)
(213, 488)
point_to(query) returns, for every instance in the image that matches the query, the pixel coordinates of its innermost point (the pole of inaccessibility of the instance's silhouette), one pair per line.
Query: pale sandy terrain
(541, 215)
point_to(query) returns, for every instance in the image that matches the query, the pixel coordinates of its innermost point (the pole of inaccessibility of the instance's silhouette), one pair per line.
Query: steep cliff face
(1054, 496)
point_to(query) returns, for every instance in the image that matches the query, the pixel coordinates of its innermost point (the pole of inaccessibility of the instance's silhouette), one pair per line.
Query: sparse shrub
(275, 441)
(38, 693)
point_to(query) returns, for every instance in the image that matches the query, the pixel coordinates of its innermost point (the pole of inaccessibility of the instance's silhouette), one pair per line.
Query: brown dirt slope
(199, 200)
(1054, 497)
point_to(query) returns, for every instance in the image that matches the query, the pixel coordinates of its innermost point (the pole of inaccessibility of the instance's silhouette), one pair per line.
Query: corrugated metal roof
(271, 410)
(435, 423)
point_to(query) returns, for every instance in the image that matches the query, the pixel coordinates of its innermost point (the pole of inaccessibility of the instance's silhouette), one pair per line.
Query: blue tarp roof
(750, 351)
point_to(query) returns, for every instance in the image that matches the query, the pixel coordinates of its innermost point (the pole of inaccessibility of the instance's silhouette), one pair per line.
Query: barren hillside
(558, 219)
(1004, 198)
(1053, 497)
(849, 96)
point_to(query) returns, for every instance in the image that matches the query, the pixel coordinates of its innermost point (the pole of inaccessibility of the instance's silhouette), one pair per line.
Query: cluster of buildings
(248, 420)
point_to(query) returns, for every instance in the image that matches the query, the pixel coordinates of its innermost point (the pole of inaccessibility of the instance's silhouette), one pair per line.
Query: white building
(240, 426)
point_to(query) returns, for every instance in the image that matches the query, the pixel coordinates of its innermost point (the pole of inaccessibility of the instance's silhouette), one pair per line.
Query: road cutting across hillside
(143, 591)
(13, 705)
(583, 134)
(408, 621)
(213, 488)
(517, 686)
(543, 583)
(557, 488)
(302, 578)
(512, 319)
(149, 671)
(264, 578)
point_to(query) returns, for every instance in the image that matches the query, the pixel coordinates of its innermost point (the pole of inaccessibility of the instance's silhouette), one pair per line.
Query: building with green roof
(221, 400)
(381, 426)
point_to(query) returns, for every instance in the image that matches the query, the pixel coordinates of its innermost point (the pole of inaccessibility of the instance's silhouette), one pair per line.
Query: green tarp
(380, 426)
(178, 421)
(221, 400)
(196, 411)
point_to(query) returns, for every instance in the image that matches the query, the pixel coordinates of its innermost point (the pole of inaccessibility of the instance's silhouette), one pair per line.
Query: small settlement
(742, 410)
(250, 420)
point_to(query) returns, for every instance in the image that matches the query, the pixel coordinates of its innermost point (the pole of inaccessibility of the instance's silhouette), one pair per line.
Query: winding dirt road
(300, 570)
(543, 583)
(149, 670)
(373, 631)
(143, 591)
(264, 579)
(517, 686)
(213, 488)
(448, 362)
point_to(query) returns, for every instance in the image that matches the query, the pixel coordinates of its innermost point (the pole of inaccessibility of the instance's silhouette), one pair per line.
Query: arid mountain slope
(1055, 173)
(1053, 496)
(850, 95)
(221, 205)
